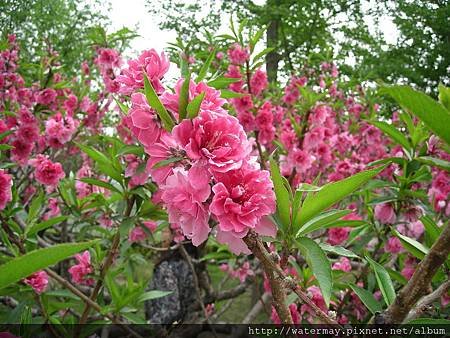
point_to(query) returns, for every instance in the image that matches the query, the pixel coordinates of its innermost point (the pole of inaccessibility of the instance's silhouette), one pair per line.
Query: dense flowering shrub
(301, 189)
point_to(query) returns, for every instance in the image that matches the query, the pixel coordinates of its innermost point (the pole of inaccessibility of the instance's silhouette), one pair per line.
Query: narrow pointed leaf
(183, 100)
(319, 264)
(384, 281)
(282, 195)
(367, 298)
(412, 246)
(23, 266)
(155, 103)
(204, 70)
(194, 106)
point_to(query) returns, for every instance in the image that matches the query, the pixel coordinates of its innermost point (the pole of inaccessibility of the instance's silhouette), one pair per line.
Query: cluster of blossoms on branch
(215, 176)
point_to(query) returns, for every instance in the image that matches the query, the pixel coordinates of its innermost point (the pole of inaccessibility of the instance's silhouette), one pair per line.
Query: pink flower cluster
(38, 281)
(213, 175)
(46, 171)
(79, 271)
(138, 233)
(5, 189)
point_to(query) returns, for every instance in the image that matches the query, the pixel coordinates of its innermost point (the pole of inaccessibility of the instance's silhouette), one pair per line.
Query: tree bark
(419, 283)
(272, 36)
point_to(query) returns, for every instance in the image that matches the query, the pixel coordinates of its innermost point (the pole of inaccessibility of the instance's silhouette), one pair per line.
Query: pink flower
(258, 82)
(264, 118)
(142, 121)
(211, 101)
(70, 104)
(108, 58)
(385, 213)
(47, 172)
(343, 265)
(138, 233)
(53, 208)
(150, 63)
(243, 272)
(166, 147)
(5, 189)
(317, 298)
(218, 140)
(38, 281)
(28, 132)
(338, 235)
(82, 269)
(238, 54)
(296, 318)
(393, 245)
(184, 195)
(241, 198)
(46, 96)
(300, 159)
(59, 130)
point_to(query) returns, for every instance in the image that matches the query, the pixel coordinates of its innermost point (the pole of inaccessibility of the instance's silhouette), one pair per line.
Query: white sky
(134, 14)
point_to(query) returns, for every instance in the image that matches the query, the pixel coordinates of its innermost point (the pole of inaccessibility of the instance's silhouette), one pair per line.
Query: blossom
(216, 139)
(317, 298)
(166, 147)
(46, 171)
(38, 281)
(338, 235)
(59, 130)
(296, 318)
(243, 272)
(343, 264)
(241, 198)
(150, 63)
(5, 189)
(142, 121)
(385, 213)
(393, 245)
(184, 194)
(46, 96)
(258, 82)
(138, 233)
(211, 100)
(238, 54)
(79, 271)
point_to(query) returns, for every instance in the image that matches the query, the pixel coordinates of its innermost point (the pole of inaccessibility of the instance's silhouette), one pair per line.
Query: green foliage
(383, 280)
(23, 266)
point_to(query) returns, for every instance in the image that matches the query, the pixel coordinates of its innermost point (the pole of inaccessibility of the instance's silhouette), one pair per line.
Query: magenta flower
(46, 96)
(385, 213)
(393, 245)
(46, 171)
(184, 195)
(238, 54)
(79, 271)
(216, 139)
(5, 189)
(154, 66)
(38, 281)
(142, 121)
(241, 199)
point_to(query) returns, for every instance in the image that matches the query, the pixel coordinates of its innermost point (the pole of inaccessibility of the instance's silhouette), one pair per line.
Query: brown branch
(105, 266)
(420, 281)
(427, 300)
(279, 281)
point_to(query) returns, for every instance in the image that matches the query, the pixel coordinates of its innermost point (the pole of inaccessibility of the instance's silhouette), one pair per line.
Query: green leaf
(431, 112)
(153, 294)
(103, 163)
(338, 250)
(433, 161)
(319, 264)
(100, 183)
(322, 220)
(282, 195)
(430, 321)
(332, 193)
(35, 207)
(444, 96)
(393, 133)
(164, 163)
(5, 147)
(123, 108)
(194, 106)
(222, 82)
(431, 228)
(229, 94)
(367, 298)
(155, 103)
(255, 39)
(23, 266)
(44, 225)
(183, 99)
(412, 246)
(6, 133)
(262, 53)
(384, 281)
(204, 70)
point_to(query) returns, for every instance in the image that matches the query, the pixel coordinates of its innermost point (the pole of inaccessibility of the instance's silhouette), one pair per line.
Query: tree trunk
(272, 37)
